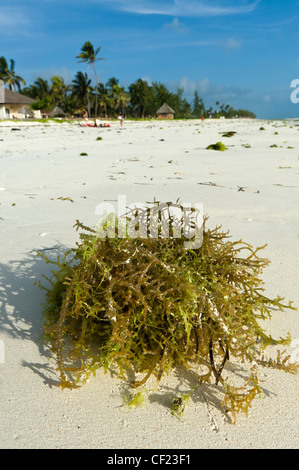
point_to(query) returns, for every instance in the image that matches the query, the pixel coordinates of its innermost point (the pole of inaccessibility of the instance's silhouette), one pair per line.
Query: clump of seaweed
(228, 134)
(218, 146)
(146, 305)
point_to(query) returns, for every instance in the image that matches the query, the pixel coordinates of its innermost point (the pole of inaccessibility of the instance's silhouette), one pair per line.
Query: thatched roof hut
(26, 111)
(57, 112)
(165, 112)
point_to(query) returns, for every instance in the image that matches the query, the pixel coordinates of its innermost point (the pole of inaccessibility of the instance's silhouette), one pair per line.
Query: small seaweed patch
(228, 134)
(178, 405)
(62, 199)
(141, 307)
(83, 154)
(218, 146)
(133, 400)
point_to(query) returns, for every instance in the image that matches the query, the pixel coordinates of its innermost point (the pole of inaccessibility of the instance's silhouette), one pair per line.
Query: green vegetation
(140, 307)
(179, 404)
(89, 56)
(228, 134)
(132, 400)
(8, 75)
(139, 100)
(218, 146)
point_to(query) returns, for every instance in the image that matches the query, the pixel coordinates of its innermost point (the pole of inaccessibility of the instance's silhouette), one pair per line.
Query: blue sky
(239, 52)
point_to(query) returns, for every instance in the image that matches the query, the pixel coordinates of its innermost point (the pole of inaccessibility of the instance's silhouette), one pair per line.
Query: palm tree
(89, 55)
(122, 100)
(104, 97)
(142, 97)
(81, 89)
(40, 91)
(8, 75)
(59, 89)
(41, 88)
(112, 83)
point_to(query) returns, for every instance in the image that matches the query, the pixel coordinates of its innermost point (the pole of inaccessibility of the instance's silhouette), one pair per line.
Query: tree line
(139, 100)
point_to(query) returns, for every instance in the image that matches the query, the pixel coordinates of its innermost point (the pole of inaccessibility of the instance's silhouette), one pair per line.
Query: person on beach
(121, 119)
(85, 116)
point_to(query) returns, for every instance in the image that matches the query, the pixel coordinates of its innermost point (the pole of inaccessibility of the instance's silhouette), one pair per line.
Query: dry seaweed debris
(147, 305)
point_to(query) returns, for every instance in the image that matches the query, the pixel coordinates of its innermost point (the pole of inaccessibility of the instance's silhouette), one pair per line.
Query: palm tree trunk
(88, 105)
(96, 103)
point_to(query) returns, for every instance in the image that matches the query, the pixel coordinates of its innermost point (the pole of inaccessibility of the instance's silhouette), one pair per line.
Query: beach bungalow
(165, 112)
(14, 105)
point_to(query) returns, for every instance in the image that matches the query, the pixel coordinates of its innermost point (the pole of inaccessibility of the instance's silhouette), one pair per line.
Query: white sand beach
(251, 189)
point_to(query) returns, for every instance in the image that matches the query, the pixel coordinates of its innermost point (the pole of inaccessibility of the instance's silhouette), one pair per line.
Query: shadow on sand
(21, 304)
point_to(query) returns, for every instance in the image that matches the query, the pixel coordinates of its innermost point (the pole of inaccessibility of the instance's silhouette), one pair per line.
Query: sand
(252, 189)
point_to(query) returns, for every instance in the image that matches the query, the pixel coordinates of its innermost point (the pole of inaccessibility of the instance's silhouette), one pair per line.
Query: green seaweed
(218, 146)
(228, 134)
(134, 400)
(141, 307)
(178, 405)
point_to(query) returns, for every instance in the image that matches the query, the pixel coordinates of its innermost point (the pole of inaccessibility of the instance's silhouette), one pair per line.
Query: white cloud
(47, 74)
(10, 18)
(156, 43)
(180, 7)
(232, 43)
(209, 90)
(176, 25)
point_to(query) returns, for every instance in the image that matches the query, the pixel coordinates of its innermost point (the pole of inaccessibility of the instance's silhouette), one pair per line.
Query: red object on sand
(93, 125)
